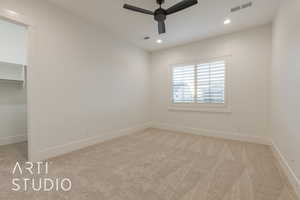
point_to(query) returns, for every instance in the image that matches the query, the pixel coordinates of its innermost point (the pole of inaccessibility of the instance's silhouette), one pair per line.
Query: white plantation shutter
(184, 84)
(211, 82)
(202, 83)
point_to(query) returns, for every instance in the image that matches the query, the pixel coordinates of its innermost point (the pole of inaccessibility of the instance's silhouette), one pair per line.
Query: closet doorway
(13, 90)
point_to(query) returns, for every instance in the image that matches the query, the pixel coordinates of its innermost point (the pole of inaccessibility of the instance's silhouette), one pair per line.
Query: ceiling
(201, 21)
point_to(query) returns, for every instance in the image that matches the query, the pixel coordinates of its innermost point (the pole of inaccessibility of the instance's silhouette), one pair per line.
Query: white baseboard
(13, 139)
(77, 145)
(293, 179)
(212, 133)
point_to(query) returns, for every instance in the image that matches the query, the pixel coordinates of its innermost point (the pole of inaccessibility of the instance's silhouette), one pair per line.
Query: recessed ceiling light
(159, 41)
(11, 12)
(227, 21)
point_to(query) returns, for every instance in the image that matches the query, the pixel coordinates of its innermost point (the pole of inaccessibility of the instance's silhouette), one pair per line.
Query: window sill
(200, 109)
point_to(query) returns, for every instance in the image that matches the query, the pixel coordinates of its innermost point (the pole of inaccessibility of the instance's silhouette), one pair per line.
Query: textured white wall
(285, 83)
(83, 82)
(248, 79)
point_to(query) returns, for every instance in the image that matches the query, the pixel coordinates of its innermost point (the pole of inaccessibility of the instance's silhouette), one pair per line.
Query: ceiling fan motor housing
(160, 15)
(160, 1)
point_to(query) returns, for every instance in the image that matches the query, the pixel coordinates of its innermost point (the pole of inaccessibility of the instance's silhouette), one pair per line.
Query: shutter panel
(211, 82)
(184, 84)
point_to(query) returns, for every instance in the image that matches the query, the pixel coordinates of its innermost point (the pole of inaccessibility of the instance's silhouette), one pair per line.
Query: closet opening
(13, 90)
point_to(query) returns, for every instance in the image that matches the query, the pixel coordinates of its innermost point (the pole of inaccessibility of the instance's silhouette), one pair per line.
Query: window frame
(196, 106)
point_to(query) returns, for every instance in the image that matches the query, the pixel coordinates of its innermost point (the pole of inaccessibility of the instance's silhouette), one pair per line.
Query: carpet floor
(156, 165)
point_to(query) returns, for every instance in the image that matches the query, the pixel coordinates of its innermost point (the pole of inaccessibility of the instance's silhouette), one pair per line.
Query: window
(199, 84)
(184, 87)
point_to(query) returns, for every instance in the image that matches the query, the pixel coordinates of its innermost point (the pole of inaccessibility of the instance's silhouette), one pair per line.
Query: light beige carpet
(159, 165)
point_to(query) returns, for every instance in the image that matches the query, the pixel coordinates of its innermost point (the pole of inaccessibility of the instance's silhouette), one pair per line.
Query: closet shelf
(12, 72)
(9, 79)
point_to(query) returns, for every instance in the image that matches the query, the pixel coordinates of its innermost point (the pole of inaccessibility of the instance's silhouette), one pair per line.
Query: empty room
(149, 100)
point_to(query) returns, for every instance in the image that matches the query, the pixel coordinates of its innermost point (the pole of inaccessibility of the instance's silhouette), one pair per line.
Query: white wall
(13, 42)
(12, 113)
(248, 79)
(12, 96)
(285, 84)
(84, 83)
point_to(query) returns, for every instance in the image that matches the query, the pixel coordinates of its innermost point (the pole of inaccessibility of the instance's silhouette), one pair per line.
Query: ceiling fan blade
(161, 27)
(181, 5)
(136, 9)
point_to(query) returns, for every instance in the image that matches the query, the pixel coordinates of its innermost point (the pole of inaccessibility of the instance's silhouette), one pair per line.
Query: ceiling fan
(160, 14)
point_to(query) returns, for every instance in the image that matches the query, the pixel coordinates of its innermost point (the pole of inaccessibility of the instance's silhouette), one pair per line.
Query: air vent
(243, 6)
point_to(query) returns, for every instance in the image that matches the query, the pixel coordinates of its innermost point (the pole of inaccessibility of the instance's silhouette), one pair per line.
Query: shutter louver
(184, 84)
(211, 82)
